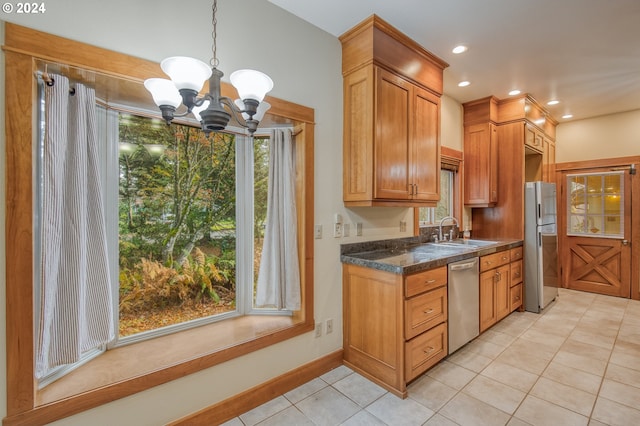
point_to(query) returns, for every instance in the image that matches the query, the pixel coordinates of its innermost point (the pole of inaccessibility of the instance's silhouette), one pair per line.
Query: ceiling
(584, 53)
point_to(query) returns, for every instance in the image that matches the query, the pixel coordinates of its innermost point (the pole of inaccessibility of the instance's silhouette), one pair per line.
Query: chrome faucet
(442, 221)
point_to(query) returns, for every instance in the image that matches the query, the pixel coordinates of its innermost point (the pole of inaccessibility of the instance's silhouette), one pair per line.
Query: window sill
(139, 366)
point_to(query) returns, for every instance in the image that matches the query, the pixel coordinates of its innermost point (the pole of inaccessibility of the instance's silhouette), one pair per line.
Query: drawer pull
(430, 281)
(428, 350)
(428, 311)
(517, 274)
(504, 258)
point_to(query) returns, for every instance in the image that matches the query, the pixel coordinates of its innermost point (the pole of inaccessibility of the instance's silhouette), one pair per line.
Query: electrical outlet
(329, 327)
(318, 329)
(346, 230)
(359, 229)
(337, 230)
(317, 230)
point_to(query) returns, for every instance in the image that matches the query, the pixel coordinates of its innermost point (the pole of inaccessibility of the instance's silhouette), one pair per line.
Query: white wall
(305, 64)
(609, 136)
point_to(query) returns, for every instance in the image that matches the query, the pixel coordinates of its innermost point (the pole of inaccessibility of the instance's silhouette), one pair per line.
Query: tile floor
(578, 363)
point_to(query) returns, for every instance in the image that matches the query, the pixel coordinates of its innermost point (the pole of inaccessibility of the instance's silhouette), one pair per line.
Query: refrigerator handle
(539, 239)
(539, 211)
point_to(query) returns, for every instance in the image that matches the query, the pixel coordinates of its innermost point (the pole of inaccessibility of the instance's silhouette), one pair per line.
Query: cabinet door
(503, 292)
(357, 148)
(425, 159)
(481, 162)
(488, 315)
(392, 133)
(533, 138)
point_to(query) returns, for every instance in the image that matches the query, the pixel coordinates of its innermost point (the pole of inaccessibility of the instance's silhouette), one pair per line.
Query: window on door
(595, 204)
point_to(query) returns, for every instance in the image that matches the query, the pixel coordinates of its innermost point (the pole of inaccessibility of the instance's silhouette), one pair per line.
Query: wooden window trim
(23, 46)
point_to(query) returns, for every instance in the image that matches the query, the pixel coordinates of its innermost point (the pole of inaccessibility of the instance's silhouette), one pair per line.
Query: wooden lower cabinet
(500, 286)
(395, 326)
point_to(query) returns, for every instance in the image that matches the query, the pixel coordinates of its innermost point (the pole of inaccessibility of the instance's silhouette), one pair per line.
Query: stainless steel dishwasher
(464, 303)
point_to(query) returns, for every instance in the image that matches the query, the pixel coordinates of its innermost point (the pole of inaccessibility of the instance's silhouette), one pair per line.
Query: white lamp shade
(263, 107)
(251, 84)
(196, 110)
(185, 72)
(164, 92)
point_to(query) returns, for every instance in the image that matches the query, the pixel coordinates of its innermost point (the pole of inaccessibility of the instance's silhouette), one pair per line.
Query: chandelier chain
(214, 8)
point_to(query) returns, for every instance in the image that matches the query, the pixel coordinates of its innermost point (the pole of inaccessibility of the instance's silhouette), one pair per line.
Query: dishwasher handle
(462, 266)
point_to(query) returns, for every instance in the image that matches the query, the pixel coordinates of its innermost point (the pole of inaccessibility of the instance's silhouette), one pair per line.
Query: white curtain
(279, 276)
(75, 304)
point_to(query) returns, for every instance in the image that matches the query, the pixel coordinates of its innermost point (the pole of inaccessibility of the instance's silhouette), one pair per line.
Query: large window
(177, 224)
(140, 366)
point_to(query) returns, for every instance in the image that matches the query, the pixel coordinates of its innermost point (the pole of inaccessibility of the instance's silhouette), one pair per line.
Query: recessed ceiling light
(553, 102)
(567, 116)
(459, 49)
(464, 84)
(514, 92)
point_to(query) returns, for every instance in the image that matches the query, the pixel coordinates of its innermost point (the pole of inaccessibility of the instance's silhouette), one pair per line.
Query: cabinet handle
(504, 258)
(410, 188)
(428, 350)
(428, 311)
(497, 276)
(416, 188)
(517, 298)
(430, 281)
(517, 274)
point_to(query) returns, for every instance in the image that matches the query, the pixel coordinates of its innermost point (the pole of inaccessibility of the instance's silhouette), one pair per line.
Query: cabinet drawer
(425, 281)
(516, 272)
(424, 351)
(425, 311)
(494, 260)
(516, 253)
(516, 296)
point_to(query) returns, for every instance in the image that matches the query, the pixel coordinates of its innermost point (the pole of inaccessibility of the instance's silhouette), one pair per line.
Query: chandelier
(212, 110)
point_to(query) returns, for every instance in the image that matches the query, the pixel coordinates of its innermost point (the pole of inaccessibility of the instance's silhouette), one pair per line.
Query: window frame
(586, 214)
(23, 46)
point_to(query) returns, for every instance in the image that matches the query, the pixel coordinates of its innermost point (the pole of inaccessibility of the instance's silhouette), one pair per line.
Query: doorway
(597, 227)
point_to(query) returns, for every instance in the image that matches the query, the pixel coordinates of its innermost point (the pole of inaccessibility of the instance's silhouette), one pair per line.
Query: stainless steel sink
(467, 242)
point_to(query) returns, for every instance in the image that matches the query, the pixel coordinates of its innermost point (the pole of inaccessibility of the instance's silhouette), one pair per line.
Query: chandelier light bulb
(163, 91)
(185, 72)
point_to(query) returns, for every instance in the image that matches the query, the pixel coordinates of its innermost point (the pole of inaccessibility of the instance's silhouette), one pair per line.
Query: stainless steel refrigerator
(540, 246)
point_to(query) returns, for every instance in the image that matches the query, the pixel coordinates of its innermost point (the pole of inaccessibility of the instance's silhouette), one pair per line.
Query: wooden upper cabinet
(392, 89)
(480, 153)
(481, 165)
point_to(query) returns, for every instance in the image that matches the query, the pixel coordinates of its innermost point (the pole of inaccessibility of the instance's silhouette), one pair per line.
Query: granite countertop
(410, 255)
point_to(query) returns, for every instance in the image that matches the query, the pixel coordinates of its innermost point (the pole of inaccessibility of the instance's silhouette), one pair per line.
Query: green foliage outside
(177, 218)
